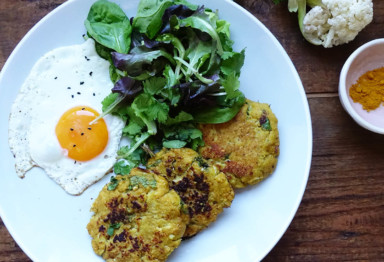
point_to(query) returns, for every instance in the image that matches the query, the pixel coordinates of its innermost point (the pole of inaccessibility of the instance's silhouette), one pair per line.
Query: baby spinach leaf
(220, 114)
(181, 117)
(148, 19)
(109, 26)
(103, 51)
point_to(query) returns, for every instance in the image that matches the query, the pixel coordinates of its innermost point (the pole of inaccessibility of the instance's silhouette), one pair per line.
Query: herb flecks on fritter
(203, 189)
(137, 219)
(247, 146)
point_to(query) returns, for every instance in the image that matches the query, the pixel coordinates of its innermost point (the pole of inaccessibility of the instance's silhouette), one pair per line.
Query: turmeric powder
(369, 89)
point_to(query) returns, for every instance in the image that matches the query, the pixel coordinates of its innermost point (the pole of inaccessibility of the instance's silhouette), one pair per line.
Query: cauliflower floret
(338, 22)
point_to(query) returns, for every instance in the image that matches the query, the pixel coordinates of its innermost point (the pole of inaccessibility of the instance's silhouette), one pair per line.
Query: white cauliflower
(332, 22)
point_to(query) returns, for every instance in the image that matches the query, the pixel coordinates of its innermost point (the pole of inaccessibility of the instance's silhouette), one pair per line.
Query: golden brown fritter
(138, 220)
(204, 190)
(247, 146)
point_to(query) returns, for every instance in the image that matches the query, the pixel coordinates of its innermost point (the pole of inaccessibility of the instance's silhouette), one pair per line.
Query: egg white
(63, 78)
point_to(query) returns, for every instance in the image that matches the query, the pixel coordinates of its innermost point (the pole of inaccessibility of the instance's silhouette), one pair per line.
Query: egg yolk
(75, 134)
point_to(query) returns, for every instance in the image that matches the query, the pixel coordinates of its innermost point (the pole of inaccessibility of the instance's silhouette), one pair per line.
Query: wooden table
(341, 216)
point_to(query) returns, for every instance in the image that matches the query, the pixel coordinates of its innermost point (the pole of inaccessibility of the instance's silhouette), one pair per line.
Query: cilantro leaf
(231, 84)
(112, 227)
(232, 62)
(182, 135)
(154, 85)
(113, 184)
(140, 180)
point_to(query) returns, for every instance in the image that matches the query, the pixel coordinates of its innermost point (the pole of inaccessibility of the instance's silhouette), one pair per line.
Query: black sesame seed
(89, 128)
(73, 96)
(90, 73)
(75, 162)
(68, 87)
(78, 93)
(87, 58)
(71, 129)
(74, 145)
(83, 108)
(82, 134)
(55, 77)
(82, 83)
(94, 94)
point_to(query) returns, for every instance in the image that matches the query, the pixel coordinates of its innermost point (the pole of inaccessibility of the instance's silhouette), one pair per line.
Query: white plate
(50, 225)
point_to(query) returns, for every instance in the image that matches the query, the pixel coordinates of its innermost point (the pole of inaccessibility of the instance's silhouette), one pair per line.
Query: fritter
(246, 146)
(137, 218)
(203, 189)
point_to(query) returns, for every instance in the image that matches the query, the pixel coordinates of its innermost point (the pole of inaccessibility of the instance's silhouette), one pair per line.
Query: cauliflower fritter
(137, 218)
(246, 146)
(204, 190)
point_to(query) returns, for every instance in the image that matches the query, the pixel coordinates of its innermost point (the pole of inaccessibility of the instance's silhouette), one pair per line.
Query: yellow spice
(369, 89)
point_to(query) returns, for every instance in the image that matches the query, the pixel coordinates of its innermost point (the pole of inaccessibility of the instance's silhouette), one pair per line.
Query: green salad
(173, 67)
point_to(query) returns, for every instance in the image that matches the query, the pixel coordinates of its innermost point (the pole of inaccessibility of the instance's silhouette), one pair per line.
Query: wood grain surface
(341, 217)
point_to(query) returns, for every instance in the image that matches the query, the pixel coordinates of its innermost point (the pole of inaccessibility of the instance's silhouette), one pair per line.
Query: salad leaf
(148, 19)
(232, 62)
(124, 166)
(127, 87)
(231, 84)
(180, 70)
(205, 22)
(181, 117)
(220, 113)
(197, 94)
(181, 11)
(109, 26)
(139, 59)
(154, 85)
(178, 136)
(224, 34)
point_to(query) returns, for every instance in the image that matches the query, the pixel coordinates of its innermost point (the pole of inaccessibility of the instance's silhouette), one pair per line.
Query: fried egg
(49, 124)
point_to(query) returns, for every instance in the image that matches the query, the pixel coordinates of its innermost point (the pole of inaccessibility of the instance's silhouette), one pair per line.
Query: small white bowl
(366, 58)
